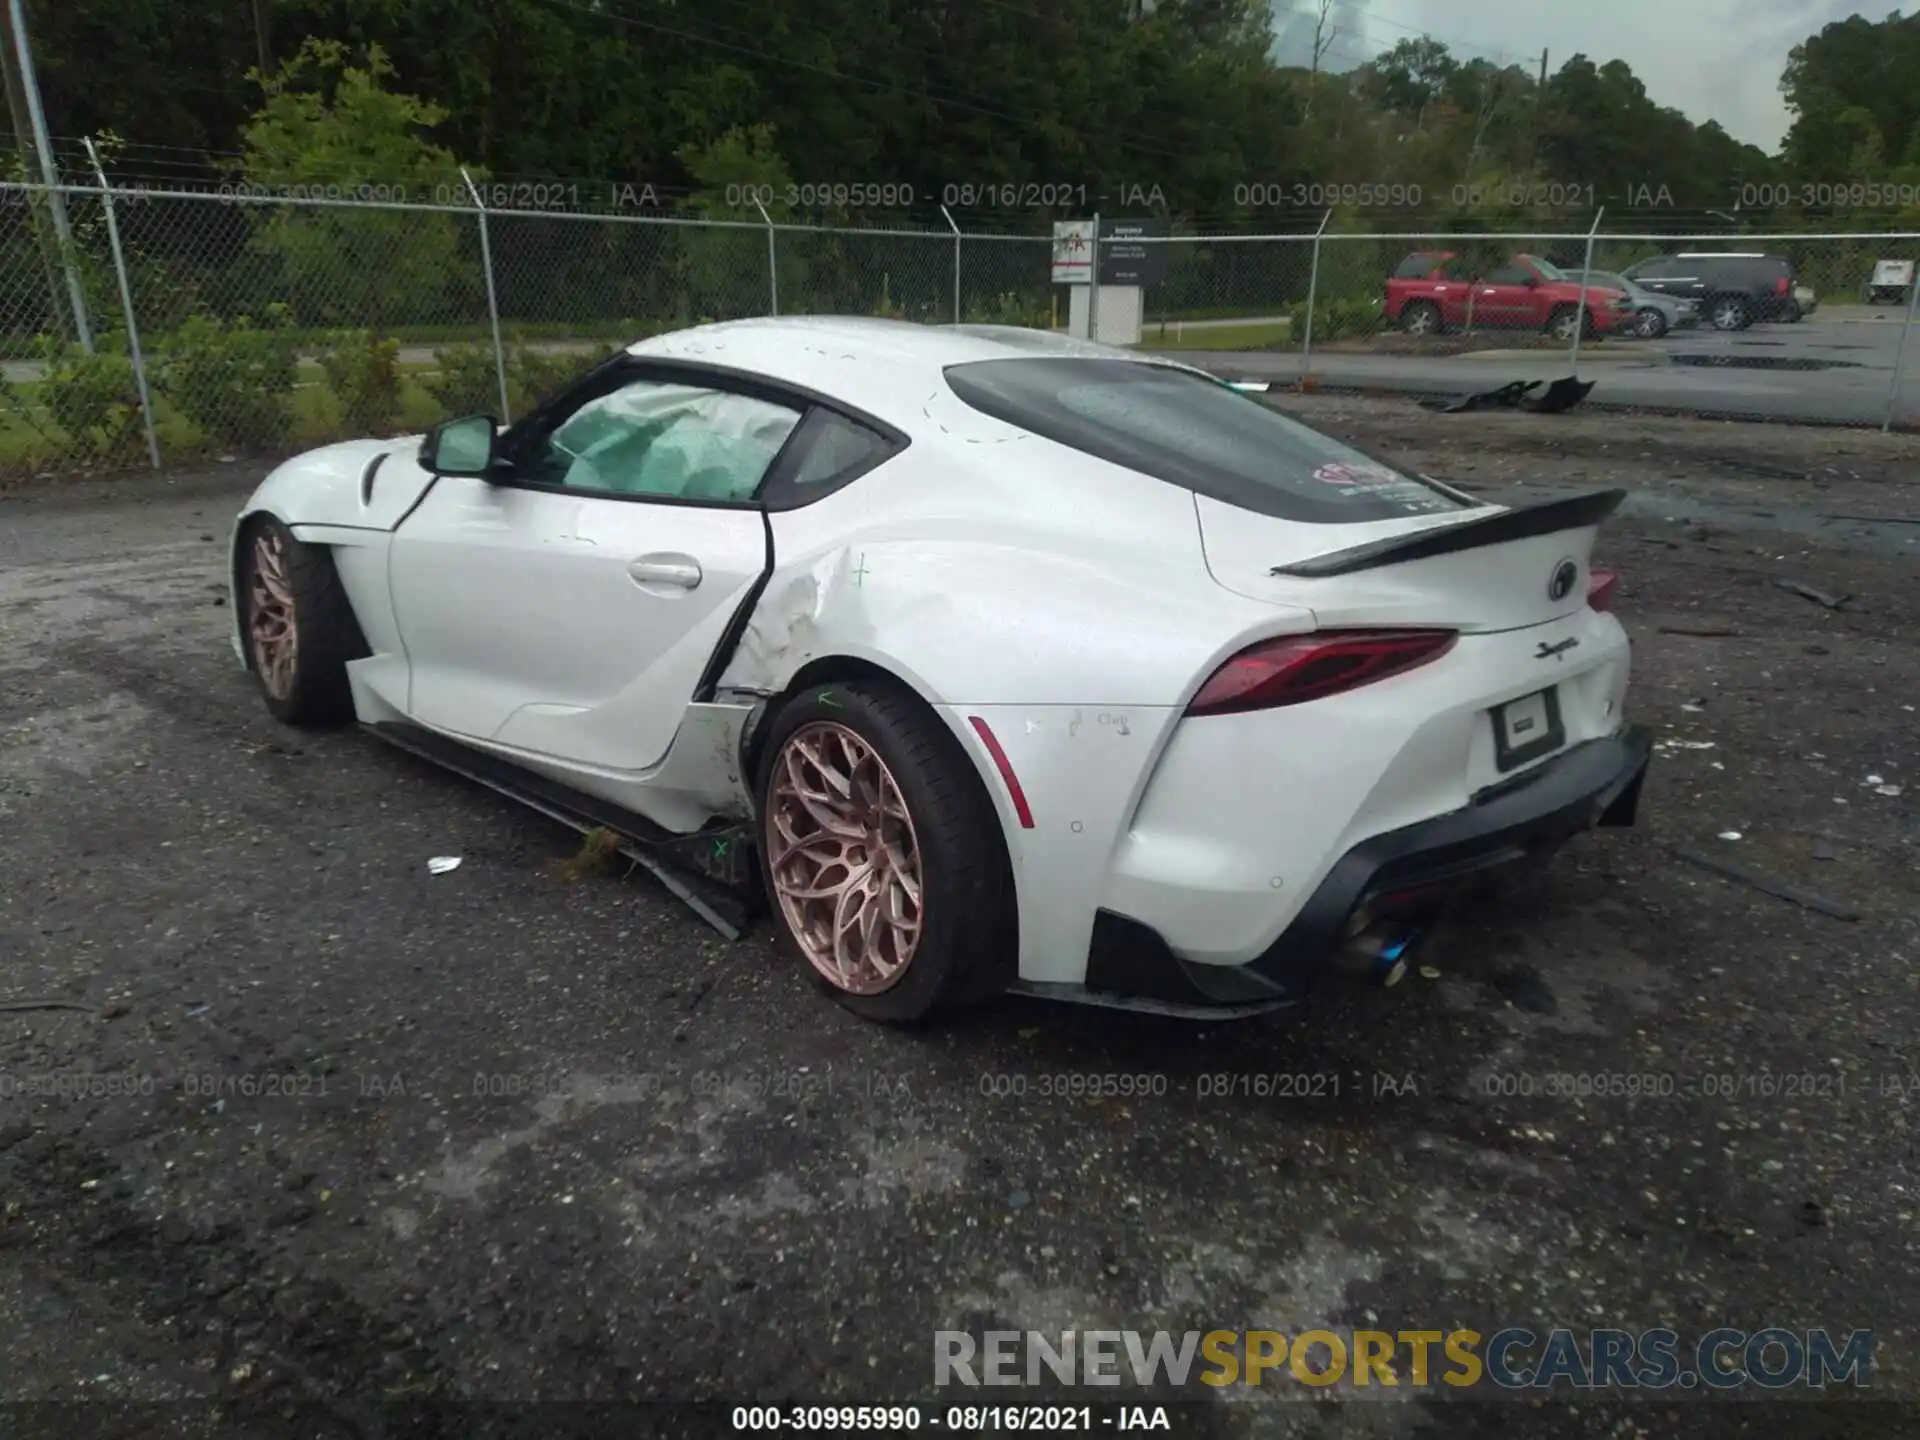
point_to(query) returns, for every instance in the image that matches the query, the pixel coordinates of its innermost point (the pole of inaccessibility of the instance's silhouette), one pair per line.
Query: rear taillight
(1782, 285)
(1297, 668)
(1600, 585)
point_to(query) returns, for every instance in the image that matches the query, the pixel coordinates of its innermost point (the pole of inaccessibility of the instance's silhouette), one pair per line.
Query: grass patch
(1254, 335)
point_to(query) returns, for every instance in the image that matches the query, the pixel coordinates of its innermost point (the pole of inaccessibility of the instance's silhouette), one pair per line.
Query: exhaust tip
(1379, 955)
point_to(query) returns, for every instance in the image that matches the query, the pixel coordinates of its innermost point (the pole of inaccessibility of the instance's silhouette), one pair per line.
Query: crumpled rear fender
(1078, 670)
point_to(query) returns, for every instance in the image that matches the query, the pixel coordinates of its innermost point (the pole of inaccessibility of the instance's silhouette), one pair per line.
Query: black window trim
(623, 369)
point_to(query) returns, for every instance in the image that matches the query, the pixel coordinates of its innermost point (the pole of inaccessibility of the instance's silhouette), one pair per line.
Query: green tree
(1854, 95)
(331, 129)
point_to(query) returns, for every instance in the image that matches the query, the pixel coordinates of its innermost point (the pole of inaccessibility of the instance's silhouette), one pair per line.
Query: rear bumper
(1593, 784)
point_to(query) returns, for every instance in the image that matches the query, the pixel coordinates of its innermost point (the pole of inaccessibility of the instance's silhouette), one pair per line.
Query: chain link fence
(141, 325)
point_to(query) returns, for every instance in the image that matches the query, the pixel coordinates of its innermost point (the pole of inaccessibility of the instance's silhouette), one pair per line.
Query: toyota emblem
(1565, 575)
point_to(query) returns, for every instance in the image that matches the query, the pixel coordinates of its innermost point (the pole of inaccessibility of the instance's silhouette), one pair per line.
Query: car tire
(1729, 312)
(1420, 317)
(1560, 323)
(1649, 324)
(298, 625)
(1792, 314)
(938, 829)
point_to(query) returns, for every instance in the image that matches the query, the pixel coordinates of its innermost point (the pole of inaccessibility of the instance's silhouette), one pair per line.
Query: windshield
(1196, 432)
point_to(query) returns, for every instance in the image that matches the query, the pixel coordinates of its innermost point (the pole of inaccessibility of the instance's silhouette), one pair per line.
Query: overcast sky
(1713, 59)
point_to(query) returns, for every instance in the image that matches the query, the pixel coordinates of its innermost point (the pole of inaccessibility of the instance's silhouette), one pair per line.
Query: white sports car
(985, 659)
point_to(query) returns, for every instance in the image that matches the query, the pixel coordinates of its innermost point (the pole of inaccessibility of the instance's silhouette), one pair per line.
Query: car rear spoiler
(1522, 522)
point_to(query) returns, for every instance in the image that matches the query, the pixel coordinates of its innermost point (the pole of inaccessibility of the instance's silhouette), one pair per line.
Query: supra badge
(1556, 652)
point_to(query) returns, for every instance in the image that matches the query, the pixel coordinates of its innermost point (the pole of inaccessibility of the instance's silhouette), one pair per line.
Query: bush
(1332, 320)
(363, 371)
(94, 399)
(1009, 307)
(533, 375)
(234, 379)
(468, 382)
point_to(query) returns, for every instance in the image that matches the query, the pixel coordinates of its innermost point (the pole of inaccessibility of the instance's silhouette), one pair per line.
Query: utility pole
(22, 135)
(56, 202)
(1539, 101)
(263, 37)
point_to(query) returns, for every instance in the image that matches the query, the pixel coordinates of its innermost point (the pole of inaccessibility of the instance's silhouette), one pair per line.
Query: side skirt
(714, 871)
(1108, 1000)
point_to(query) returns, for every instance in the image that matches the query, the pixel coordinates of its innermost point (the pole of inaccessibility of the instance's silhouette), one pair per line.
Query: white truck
(1892, 279)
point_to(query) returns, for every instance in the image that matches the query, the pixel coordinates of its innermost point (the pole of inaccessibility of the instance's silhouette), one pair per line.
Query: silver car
(1653, 315)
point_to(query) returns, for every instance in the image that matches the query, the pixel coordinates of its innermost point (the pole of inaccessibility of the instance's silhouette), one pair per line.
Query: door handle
(679, 571)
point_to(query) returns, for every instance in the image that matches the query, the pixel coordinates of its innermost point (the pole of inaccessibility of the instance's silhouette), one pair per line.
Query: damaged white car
(982, 658)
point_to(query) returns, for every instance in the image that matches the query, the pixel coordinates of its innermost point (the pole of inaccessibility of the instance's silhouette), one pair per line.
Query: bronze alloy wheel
(844, 858)
(270, 617)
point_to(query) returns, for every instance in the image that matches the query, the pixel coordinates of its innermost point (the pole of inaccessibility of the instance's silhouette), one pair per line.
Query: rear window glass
(1418, 266)
(1197, 433)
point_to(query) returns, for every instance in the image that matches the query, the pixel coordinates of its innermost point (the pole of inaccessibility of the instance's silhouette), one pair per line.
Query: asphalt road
(1693, 371)
(383, 1135)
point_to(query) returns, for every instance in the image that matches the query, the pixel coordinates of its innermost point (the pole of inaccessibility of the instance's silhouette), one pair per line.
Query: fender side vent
(366, 477)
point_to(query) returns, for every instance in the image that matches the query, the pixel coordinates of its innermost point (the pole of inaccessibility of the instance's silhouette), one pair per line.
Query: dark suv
(1730, 290)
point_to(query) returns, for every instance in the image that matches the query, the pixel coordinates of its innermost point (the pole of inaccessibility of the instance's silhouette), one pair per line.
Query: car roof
(886, 367)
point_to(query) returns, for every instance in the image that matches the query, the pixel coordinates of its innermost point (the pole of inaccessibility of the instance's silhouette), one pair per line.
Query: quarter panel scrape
(803, 615)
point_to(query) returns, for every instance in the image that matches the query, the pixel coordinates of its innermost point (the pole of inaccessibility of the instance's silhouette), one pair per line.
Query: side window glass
(674, 441)
(830, 451)
(1509, 275)
(836, 447)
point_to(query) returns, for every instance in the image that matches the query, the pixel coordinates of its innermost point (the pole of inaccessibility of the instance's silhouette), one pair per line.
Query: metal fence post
(493, 299)
(956, 263)
(126, 305)
(1313, 293)
(1580, 310)
(1093, 286)
(56, 201)
(1900, 354)
(773, 261)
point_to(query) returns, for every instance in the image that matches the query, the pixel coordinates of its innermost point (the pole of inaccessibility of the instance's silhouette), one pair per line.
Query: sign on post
(1072, 252)
(1124, 260)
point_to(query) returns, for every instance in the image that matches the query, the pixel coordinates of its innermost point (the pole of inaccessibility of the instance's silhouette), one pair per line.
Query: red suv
(1430, 293)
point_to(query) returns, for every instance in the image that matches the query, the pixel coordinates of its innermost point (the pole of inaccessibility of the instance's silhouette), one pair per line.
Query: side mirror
(1532, 282)
(462, 447)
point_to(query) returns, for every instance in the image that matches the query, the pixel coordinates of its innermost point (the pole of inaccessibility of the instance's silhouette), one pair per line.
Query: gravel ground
(504, 1135)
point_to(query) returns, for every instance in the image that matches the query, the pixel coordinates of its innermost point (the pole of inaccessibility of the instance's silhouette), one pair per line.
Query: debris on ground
(1807, 592)
(1779, 889)
(1563, 394)
(1730, 835)
(596, 852)
(441, 864)
(1706, 632)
